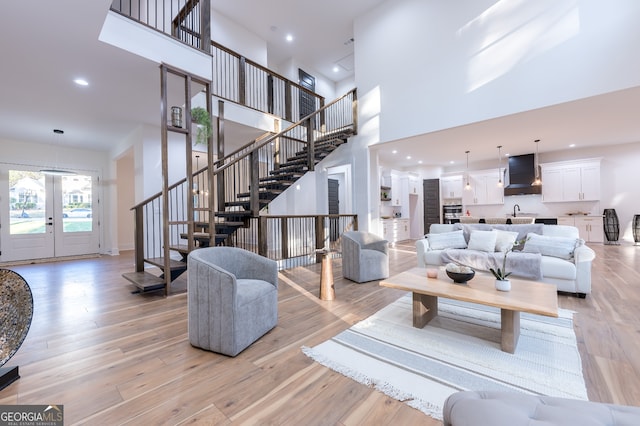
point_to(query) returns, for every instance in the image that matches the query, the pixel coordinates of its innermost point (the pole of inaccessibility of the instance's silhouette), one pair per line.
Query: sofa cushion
(482, 241)
(523, 230)
(446, 240)
(554, 267)
(561, 247)
(505, 240)
(468, 228)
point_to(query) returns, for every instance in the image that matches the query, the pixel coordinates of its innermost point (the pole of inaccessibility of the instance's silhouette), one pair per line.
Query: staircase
(238, 187)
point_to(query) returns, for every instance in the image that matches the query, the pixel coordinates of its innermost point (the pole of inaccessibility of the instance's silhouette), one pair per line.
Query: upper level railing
(235, 78)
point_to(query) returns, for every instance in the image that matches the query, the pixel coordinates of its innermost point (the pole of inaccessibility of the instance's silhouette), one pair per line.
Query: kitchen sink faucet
(514, 209)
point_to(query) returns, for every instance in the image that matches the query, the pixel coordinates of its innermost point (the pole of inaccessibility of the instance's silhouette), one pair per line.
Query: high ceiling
(45, 48)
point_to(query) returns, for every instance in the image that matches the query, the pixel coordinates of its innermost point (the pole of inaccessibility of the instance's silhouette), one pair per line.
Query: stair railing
(235, 78)
(249, 171)
(245, 171)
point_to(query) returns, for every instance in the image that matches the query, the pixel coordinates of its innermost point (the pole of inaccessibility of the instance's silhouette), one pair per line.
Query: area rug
(457, 350)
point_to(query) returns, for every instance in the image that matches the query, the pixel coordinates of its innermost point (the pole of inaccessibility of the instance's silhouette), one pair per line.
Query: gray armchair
(365, 256)
(232, 297)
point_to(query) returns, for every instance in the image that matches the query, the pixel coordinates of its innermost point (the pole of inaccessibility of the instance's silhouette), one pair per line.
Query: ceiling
(44, 49)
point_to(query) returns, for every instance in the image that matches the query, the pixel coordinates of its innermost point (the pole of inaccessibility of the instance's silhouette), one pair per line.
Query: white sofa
(571, 274)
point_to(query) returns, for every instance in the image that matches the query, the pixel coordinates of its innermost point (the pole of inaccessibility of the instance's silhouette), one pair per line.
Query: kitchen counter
(509, 220)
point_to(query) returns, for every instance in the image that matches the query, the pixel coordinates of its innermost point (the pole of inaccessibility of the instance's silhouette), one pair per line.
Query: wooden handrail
(278, 135)
(266, 70)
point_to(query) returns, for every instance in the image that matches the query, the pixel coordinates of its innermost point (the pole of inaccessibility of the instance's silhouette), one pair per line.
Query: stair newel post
(311, 154)
(287, 101)
(254, 201)
(276, 146)
(165, 178)
(320, 237)
(242, 80)
(138, 242)
(189, 164)
(354, 109)
(205, 26)
(220, 176)
(284, 237)
(262, 236)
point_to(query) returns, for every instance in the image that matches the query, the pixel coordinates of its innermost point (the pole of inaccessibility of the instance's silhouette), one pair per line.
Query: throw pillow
(505, 240)
(561, 247)
(445, 240)
(482, 241)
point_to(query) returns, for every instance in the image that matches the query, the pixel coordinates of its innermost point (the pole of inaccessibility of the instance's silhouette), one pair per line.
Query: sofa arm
(583, 254)
(583, 257)
(422, 246)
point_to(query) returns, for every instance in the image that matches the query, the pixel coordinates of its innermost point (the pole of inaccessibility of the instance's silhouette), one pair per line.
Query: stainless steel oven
(451, 213)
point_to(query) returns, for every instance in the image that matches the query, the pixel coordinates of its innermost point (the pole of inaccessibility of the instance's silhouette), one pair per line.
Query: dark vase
(611, 226)
(636, 228)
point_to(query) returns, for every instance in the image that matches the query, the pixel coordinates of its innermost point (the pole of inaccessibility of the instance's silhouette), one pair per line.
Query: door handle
(49, 223)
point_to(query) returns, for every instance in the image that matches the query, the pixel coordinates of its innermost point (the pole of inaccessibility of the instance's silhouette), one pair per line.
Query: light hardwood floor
(112, 357)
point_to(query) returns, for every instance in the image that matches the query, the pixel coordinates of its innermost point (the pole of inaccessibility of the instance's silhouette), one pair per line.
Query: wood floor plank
(112, 357)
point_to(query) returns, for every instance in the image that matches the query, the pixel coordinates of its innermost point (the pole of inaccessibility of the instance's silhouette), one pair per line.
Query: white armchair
(365, 256)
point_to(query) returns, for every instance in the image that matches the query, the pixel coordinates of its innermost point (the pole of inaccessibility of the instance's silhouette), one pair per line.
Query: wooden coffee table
(525, 296)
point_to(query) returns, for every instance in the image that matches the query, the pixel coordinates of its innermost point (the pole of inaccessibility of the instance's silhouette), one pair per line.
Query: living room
(610, 374)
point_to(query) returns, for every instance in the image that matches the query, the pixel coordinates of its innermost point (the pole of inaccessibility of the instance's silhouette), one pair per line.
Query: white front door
(45, 216)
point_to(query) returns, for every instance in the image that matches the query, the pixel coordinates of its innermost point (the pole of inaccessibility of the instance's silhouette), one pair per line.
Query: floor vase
(611, 226)
(636, 228)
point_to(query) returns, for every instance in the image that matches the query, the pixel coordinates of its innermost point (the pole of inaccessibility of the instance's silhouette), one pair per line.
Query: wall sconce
(468, 185)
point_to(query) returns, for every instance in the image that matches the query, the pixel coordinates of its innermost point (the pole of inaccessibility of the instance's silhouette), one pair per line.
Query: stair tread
(145, 281)
(173, 263)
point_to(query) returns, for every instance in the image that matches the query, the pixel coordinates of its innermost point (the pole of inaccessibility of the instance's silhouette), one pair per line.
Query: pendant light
(468, 185)
(500, 183)
(57, 135)
(537, 181)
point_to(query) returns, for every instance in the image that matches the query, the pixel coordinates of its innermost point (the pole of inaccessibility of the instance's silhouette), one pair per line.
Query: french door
(46, 216)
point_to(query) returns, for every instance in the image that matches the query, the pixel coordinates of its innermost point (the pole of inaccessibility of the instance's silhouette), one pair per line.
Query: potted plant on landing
(202, 118)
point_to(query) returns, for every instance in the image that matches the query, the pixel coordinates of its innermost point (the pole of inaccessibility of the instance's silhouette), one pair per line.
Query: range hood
(522, 172)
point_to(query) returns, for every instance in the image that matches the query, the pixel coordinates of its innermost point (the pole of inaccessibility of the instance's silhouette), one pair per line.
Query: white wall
(79, 160)
(440, 64)
(237, 38)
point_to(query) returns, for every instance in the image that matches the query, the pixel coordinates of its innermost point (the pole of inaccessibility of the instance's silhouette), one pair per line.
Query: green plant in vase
(502, 276)
(202, 118)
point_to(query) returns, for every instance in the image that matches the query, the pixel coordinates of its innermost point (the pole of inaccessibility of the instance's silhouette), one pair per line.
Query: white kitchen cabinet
(414, 185)
(571, 181)
(590, 227)
(484, 189)
(395, 230)
(451, 186)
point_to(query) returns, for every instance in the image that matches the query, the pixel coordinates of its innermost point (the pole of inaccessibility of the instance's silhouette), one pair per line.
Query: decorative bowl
(461, 277)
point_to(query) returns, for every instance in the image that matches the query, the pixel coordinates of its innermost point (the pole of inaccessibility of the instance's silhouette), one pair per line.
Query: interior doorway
(307, 101)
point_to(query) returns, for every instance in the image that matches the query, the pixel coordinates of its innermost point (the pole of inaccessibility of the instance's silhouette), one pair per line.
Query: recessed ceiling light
(81, 82)
(452, 162)
(394, 151)
(408, 157)
(572, 145)
(419, 161)
(335, 68)
(289, 37)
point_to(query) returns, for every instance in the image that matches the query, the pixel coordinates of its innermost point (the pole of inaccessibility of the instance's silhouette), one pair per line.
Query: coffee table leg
(510, 330)
(425, 308)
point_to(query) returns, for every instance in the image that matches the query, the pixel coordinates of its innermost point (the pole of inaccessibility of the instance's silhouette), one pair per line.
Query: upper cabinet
(451, 186)
(571, 181)
(484, 188)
